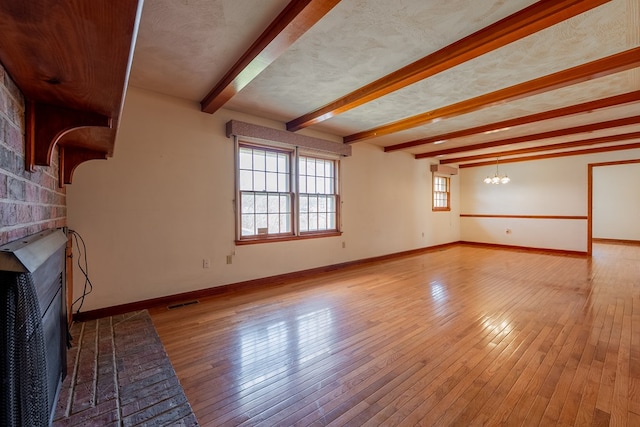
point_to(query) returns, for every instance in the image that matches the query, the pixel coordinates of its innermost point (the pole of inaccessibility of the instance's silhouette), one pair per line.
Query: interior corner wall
(555, 187)
(151, 214)
(29, 201)
(616, 202)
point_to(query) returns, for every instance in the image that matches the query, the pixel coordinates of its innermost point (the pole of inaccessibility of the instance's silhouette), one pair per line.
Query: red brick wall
(29, 201)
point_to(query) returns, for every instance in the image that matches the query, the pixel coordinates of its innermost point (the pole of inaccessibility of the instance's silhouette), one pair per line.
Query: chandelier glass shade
(497, 178)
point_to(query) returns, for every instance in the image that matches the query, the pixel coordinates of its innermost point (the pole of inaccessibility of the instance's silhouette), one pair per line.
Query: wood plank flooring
(461, 336)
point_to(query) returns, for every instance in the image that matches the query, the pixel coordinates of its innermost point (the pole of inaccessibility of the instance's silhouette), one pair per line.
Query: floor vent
(182, 304)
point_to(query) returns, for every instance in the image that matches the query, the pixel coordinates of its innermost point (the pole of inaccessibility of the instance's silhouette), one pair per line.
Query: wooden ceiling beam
(296, 19)
(550, 147)
(599, 68)
(596, 150)
(540, 15)
(546, 115)
(610, 124)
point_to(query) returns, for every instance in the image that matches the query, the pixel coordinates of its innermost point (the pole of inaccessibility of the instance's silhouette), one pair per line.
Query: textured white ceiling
(184, 48)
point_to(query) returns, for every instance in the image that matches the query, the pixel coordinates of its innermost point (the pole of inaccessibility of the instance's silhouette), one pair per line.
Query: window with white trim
(317, 194)
(283, 194)
(441, 193)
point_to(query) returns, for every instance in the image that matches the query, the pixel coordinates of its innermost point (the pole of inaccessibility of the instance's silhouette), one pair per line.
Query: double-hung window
(317, 194)
(264, 177)
(441, 193)
(283, 194)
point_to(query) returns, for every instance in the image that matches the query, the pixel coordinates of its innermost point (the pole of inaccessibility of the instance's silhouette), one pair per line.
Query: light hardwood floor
(460, 336)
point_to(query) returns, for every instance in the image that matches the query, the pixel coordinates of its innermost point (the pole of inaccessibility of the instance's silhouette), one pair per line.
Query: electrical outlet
(229, 259)
(344, 245)
(206, 263)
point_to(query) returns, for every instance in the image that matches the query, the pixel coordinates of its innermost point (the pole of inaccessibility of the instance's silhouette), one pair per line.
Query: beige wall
(616, 202)
(548, 187)
(164, 202)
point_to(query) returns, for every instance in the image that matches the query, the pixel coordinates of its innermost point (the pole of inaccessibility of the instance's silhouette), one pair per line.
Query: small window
(441, 194)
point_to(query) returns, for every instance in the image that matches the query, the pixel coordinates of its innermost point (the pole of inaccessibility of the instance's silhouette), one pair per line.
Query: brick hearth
(119, 374)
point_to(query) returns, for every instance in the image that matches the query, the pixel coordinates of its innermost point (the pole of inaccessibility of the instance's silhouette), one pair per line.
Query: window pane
(246, 158)
(320, 167)
(313, 221)
(246, 180)
(259, 160)
(311, 166)
(283, 182)
(261, 221)
(320, 186)
(259, 183)
(328, 169)
(283, 163)
(285, 223)
(274, 223)
(285, 203)
(331, 221)
(302, 166)
(261, 203)
(273, 203)
(322, 221)
(272, 161)
(302, 184)
(248, 225)
(313, 204)
(331, 204)
(304, 222)
(272, 181)
(328, 185)
(304, 203)
(311, 185)
(248, 203)
(322, 204)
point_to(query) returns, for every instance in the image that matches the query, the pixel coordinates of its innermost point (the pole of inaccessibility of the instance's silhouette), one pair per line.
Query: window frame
(294, 155)
(434, 191)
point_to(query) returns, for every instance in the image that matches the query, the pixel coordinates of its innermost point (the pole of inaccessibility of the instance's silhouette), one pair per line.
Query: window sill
(441, 209)
(305, 236)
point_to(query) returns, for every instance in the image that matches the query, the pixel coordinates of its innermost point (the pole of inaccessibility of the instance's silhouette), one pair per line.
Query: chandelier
(497, 178)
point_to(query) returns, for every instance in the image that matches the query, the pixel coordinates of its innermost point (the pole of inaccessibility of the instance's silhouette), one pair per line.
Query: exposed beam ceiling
(405, 75)
(619, 147)
(293, 21)
(627, 121)
(550, 147)
(525, 22)
(595, 69)
(546, 115)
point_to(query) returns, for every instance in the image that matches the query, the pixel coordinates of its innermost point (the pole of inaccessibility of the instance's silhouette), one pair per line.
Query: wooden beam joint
(71, 157)
(47, 124)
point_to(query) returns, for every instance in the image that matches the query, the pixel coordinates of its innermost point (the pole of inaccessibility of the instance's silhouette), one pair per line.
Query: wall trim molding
(616, 241)
(282, 278)
(525, 249)
(581, 217)
(245, 285)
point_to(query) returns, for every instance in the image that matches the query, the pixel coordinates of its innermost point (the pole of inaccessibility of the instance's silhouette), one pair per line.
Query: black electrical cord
(88, 286)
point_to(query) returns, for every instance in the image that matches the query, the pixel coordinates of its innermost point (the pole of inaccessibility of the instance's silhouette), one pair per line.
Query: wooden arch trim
(46, 125)
(540, 15)
(296, 19)
(71, 157)
(612, 64)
